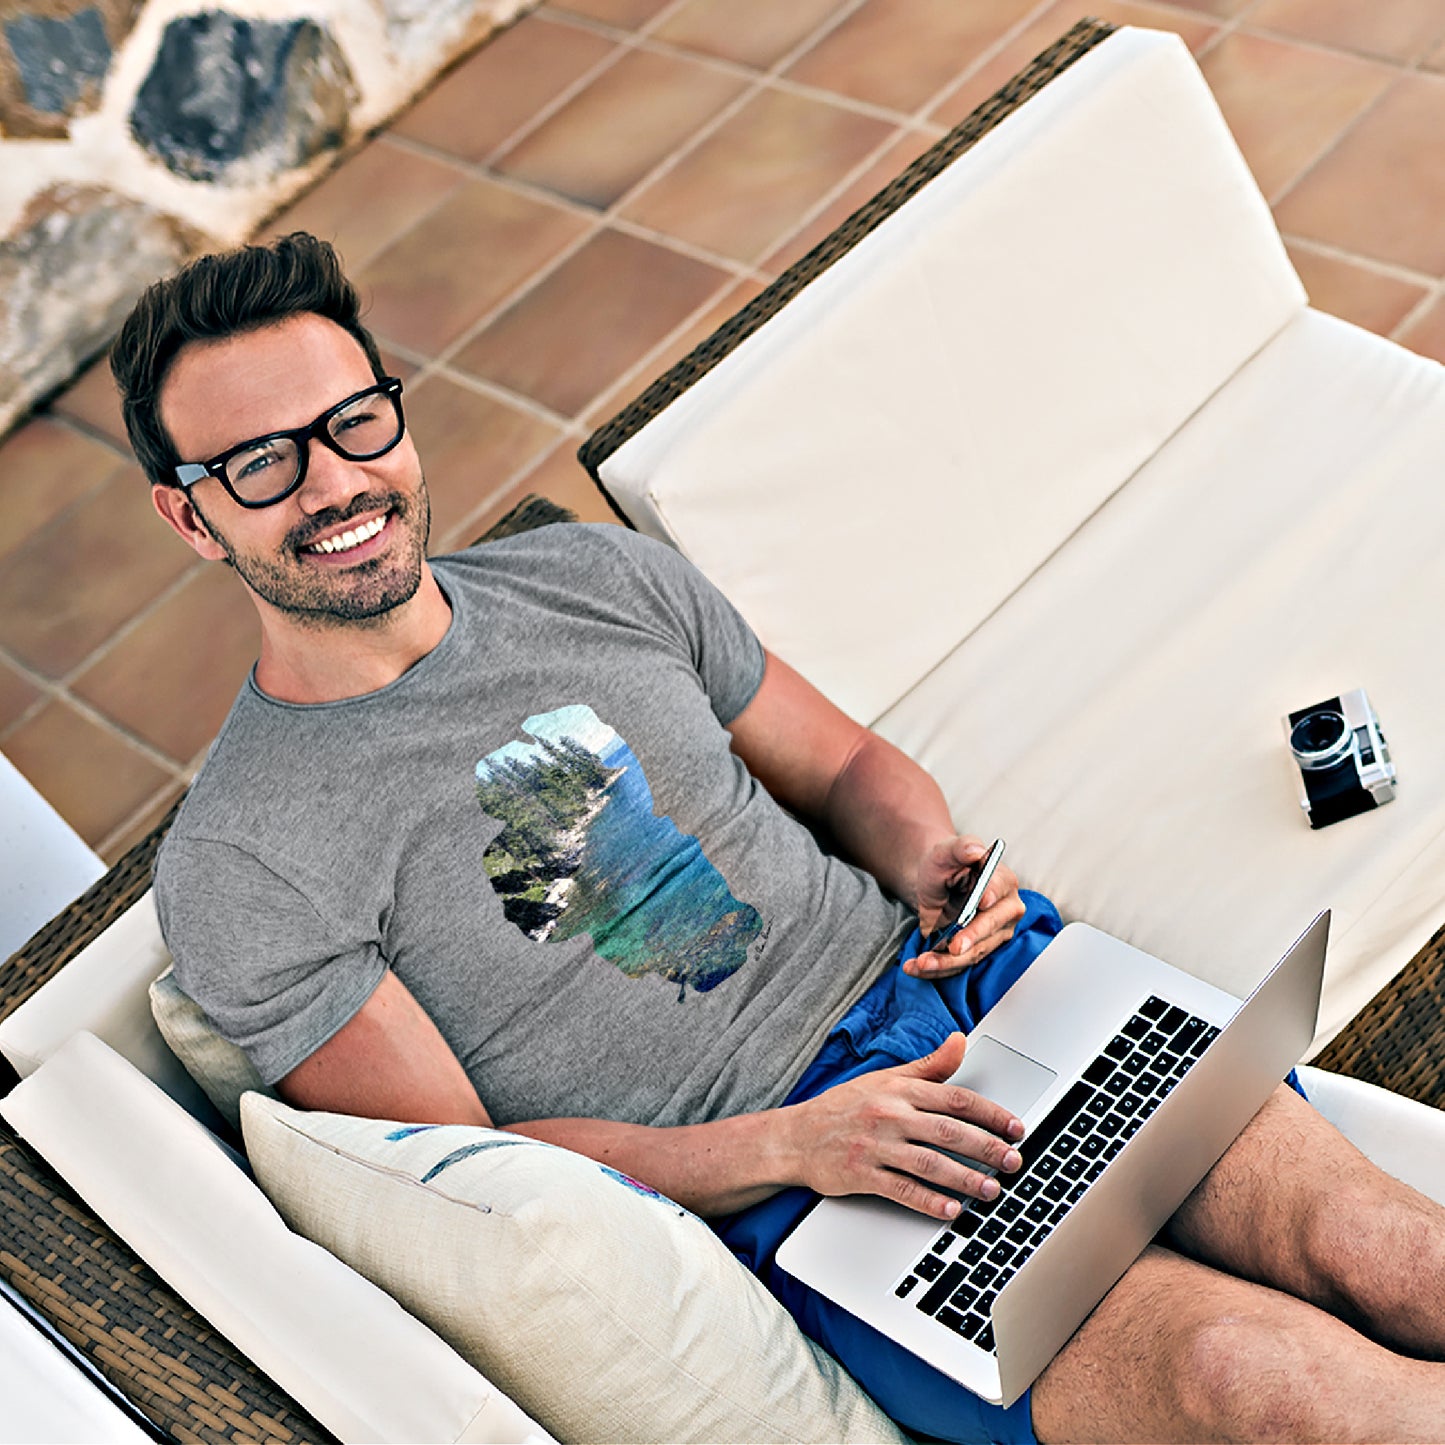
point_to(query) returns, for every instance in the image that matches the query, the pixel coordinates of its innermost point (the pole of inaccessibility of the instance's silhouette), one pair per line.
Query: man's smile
(347, 538)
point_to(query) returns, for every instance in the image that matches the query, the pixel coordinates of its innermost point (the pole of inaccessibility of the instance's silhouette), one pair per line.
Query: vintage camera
(1344, 762)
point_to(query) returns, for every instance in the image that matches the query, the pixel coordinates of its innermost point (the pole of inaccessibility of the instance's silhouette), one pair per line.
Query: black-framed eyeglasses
(267, 469)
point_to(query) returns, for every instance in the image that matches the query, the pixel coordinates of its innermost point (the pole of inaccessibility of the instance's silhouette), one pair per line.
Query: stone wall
(136, 133)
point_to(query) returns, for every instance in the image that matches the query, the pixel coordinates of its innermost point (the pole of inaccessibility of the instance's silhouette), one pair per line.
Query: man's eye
(349, 420)
(252, 464)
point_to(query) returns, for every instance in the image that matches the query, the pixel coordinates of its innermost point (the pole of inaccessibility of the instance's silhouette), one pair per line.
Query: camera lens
(1320, 739)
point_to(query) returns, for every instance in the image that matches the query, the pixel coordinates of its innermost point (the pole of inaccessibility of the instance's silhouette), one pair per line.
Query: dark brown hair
(210, 299)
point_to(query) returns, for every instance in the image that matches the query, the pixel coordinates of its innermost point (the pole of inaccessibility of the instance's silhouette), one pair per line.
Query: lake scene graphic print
(582, 850)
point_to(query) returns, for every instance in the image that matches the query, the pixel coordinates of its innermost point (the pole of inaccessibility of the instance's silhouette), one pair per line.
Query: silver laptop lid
(1106, 1231)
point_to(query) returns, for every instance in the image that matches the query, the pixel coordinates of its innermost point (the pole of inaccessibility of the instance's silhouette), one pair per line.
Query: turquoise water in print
(583, 852)
(650, 897)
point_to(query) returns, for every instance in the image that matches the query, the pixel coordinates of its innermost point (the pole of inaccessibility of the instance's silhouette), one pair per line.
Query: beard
(324, 595)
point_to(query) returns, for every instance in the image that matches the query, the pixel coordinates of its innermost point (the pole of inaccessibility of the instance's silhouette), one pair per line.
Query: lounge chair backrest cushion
(1005, 350)
(103, 990)
(348, 1352)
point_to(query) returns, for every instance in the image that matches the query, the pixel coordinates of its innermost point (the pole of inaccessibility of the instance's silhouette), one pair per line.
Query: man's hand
(943, 865)
(881, 1134)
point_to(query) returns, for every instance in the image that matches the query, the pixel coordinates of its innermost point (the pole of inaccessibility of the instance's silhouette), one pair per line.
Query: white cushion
(103, 990)
(1118, 720)
(221, 1069)
(341, 1347)
(44, 862)
(604, 1309)
(45, 1396)
(1406, 1139)
(877, 468)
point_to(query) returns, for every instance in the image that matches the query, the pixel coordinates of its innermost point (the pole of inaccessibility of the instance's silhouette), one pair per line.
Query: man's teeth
(347, 540)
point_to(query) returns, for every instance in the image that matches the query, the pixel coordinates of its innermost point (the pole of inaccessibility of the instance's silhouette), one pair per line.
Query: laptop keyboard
(957, 1279)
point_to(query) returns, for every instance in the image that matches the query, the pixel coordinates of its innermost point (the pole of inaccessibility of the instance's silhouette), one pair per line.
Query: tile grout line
(52, 692)
(774, 78)
(1434, 287)
(1419, 310)
(628, 380)
(645, 41)
(47, 689)
(738, 270)
(1388, 269)
(1334, 144)
(1400, 69)
(567, 94)
(596, 221)
(513, 480)
(989, 53)
(153, 805)
(495, 391)
(1228, 25)
(1323, 47)
(107, 645)
(90, 432)
(148, 751)
(595, 217)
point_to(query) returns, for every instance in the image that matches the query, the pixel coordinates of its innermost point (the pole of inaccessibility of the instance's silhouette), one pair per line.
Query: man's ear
(175, 506)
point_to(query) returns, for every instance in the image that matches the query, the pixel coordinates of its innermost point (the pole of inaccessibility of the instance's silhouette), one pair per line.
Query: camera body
(1344, 761)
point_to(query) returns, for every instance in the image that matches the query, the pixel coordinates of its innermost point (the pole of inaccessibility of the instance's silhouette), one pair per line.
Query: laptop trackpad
(1002, 1074)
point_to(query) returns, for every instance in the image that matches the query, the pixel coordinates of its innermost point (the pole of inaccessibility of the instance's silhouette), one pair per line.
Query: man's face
(218, 394)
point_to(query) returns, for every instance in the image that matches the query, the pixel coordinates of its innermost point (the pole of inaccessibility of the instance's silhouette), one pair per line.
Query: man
(511, 837)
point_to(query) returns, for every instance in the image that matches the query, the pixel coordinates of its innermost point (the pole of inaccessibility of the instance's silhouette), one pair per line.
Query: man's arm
(389, 1061)
(867, 1136)
(885, 812)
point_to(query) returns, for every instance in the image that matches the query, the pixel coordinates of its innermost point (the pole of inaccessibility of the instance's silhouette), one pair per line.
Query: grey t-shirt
(541, 829)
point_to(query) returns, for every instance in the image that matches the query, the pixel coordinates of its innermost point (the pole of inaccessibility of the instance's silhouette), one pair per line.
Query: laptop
(1132, 1079)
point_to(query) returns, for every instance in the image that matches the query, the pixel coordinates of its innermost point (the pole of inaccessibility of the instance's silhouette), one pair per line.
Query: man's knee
(1243, 1376)
(1177, 1351)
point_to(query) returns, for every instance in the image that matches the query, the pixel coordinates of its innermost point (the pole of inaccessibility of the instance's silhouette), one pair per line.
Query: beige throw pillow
(604, 1310)
(221, 1069)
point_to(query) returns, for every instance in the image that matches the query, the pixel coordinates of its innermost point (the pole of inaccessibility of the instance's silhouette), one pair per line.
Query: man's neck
(326, 661)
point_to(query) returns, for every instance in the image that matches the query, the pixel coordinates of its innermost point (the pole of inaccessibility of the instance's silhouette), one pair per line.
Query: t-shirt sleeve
(273, 974)
(724, 649)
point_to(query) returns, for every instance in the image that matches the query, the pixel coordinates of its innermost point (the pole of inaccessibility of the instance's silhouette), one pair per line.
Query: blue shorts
(898, 1020)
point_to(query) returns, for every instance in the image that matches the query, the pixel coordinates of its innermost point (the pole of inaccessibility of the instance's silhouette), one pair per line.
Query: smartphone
(963, 899)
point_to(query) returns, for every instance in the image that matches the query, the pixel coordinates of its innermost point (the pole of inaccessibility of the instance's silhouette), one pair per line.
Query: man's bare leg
(1180, 1351)
(1292, 1228)
(1293, 1204)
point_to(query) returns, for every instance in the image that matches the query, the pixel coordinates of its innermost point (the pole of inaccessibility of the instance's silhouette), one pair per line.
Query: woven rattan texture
(706, 355)
(137, 1332)
(177, 1370)
(1398, 1039)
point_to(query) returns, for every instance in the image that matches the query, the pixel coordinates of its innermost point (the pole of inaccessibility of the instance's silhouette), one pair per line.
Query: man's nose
(331, 480)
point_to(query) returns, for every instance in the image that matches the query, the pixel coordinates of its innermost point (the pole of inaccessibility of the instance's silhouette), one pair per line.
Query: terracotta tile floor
(578, 203)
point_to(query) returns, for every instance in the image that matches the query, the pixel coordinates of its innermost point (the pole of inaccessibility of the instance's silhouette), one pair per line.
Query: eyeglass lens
(364, 427)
